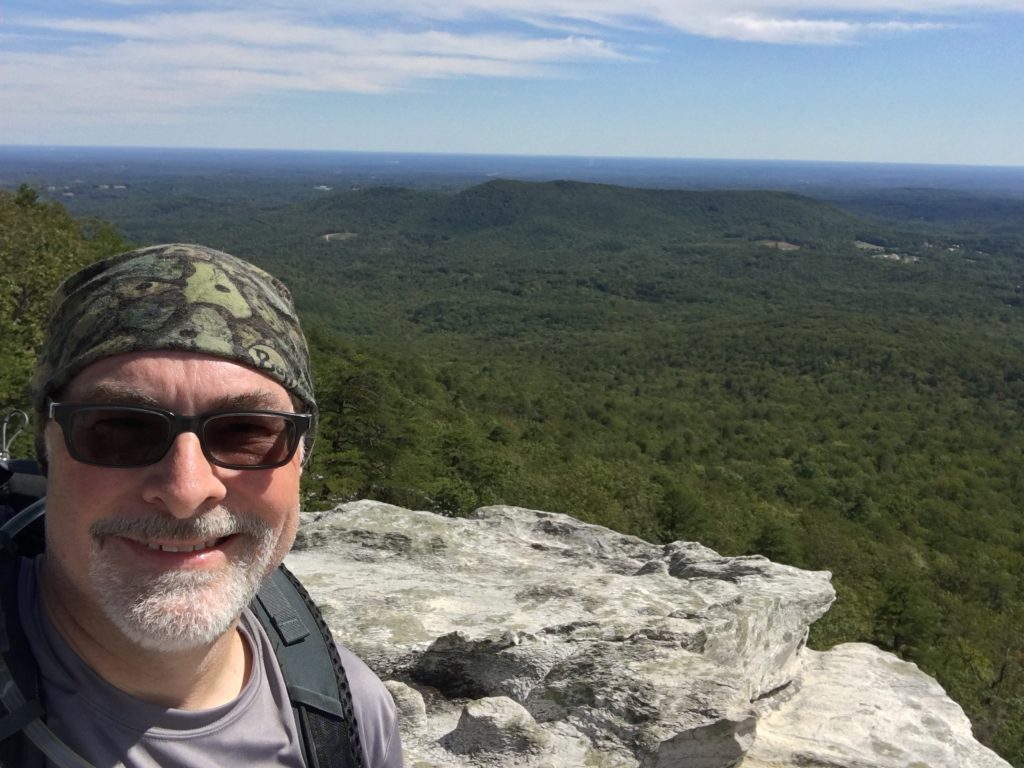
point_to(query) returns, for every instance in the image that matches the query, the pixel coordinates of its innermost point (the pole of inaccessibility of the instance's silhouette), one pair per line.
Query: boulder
(523, 638)
(858, 706)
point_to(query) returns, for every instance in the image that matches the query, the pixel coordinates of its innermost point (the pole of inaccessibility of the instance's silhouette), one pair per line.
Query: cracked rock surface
(524, 638)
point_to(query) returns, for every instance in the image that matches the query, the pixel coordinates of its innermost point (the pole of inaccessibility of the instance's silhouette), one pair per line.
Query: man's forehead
(153, 378)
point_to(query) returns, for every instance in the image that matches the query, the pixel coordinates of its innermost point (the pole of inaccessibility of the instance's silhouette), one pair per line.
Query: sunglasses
(135, 436)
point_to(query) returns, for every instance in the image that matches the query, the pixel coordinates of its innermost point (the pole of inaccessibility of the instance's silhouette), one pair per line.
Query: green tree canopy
(40, 245)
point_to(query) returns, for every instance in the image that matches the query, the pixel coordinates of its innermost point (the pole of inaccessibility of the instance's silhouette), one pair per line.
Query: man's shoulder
(375, 712)
(372, 706)
(367, 688)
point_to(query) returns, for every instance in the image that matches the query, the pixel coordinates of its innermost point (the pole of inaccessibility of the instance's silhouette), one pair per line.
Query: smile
(184, 547)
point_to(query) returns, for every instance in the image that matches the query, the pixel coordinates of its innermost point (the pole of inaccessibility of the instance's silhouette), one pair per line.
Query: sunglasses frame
(63, 414)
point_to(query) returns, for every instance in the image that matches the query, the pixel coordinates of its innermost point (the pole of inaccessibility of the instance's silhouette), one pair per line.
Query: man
(174, 398)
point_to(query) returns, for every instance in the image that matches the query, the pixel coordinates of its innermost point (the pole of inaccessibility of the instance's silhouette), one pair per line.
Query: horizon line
(507, 155)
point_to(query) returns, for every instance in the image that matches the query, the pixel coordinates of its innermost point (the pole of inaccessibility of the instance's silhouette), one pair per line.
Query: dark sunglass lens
(249, 439)
(121, 437)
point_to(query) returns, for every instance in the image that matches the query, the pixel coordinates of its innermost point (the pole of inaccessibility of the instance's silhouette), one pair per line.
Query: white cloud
(157, 64)
(290, 36)
(802, 31)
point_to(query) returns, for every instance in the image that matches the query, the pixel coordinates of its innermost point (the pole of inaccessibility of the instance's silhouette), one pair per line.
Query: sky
(915, 81)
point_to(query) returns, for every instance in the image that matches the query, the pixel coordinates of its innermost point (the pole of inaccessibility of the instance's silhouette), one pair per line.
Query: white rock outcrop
(524, 638)
(856, 705)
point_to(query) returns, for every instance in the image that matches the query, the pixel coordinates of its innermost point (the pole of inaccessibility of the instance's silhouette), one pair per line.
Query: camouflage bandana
(173, 297)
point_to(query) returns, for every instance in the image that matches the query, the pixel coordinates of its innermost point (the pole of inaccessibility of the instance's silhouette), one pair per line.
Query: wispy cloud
(152, 59)
(764, 29)
(159, 63)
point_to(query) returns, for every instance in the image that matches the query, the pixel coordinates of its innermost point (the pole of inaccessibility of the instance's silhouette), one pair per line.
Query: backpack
(315, 678)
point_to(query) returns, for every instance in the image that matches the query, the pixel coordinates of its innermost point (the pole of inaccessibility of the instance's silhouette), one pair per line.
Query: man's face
(170, 553)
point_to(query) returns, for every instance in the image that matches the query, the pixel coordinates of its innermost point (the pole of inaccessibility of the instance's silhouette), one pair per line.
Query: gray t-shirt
(112, 729)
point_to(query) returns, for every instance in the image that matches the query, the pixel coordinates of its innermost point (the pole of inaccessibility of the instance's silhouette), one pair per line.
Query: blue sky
(933, 81)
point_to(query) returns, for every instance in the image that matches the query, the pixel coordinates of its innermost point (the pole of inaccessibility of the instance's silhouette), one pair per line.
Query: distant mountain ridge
(58, 165)
(571, 205)
(510, 253)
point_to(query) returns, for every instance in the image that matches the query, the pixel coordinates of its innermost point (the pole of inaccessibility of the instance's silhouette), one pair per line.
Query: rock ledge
(524, 638)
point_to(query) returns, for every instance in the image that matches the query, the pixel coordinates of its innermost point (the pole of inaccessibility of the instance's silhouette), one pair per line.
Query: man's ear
(41, 448)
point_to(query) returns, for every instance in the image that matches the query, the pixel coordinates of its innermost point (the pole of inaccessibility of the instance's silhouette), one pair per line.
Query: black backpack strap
(25, 741)
(23, 533)
(25, 485)
(21, 487)
(13, 648)
(313, 672)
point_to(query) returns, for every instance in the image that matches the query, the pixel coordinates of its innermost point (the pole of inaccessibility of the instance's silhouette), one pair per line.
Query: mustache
(215, 524)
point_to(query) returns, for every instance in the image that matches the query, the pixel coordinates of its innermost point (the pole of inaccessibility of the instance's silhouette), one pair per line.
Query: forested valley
(836, 388)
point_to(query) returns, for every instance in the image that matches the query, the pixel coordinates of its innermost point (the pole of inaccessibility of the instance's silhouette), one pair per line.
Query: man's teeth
(182, 547)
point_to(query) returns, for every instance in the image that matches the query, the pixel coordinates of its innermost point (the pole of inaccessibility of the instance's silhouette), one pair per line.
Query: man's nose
(184, 482)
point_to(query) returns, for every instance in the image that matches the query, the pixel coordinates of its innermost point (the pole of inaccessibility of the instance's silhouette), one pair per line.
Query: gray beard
(180, 610)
